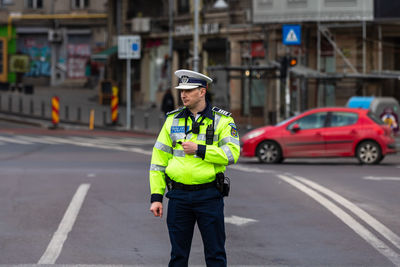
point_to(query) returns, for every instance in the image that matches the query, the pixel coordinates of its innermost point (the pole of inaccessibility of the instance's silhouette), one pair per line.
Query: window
(34, 4)
(4, 3)
(183, 6)
(80, 4)
(343, 119)
(313, 121)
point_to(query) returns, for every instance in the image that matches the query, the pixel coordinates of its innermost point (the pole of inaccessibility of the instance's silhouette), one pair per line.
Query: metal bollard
(20, 105)
(78, 118)
(66, 113)
(43, 110)
(31, 107)
(0, 102)
(146, 120)
(10, 103)
(104, 118)
(132, 121)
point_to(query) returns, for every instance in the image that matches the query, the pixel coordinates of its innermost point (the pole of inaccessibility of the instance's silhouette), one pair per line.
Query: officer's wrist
(156, 198)
(201, 151)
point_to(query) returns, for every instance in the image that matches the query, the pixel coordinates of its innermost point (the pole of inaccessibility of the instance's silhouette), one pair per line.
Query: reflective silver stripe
(189, 136)
(216, 121)
(177, 136)
(228, 154)
(175, 122)
(179, 153)
(202, 137)
(155, 167)
(228, 140)
(163, 147)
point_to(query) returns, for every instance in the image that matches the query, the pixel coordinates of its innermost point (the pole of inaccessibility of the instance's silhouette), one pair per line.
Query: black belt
(190, 187)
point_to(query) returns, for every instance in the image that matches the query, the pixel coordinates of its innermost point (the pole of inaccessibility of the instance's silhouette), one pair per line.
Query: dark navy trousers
(185, 208)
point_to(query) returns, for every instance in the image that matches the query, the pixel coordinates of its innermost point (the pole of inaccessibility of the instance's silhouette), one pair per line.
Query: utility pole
(170, 40)
(196, 36)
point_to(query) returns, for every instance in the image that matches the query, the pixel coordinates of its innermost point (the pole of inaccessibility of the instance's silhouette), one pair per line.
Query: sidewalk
(74, 110)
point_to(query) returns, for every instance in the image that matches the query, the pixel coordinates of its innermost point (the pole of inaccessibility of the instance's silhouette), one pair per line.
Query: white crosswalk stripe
(128, 144)
(14, 140)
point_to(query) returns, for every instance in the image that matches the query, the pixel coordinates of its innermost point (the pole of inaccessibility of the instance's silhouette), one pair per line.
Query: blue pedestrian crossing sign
(291, 34)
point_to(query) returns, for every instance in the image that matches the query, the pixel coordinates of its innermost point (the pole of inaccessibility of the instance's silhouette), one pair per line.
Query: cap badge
(184, 79)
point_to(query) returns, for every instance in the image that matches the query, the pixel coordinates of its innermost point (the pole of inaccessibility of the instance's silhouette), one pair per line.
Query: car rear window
(343, 119)
(375, 118)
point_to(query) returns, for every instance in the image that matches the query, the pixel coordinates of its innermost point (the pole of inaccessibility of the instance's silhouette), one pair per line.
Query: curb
(46, 124)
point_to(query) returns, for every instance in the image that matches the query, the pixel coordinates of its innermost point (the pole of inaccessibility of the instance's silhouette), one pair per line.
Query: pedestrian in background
(193, 148)
(167, 101)
(88, 73)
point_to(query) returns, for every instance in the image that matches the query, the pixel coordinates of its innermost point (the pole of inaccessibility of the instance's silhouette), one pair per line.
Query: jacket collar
(207, 112)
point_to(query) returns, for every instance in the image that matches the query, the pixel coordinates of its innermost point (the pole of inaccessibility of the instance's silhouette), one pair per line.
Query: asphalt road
(78, 197)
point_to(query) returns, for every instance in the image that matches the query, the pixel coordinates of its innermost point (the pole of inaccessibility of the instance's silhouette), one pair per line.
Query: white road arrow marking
(239, 221)
(375, 178)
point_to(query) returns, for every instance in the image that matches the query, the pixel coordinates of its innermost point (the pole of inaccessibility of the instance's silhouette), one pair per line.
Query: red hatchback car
(322, 132)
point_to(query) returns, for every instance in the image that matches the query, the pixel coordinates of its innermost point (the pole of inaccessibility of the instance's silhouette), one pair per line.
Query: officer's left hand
(189, 148)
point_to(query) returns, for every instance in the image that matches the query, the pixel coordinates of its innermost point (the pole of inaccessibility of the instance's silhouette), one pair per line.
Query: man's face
(191, 98)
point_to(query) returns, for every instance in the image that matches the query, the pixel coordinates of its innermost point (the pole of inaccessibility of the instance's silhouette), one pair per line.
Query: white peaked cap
(189, 79)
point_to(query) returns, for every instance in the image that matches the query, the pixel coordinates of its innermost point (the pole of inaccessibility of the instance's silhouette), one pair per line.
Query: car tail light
(385, 130)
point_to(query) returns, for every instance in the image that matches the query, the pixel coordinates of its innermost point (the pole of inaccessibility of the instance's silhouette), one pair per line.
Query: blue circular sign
(135, 47)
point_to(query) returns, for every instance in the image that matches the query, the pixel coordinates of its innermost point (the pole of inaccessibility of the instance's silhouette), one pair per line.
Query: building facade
(57, 37)
(347, 48)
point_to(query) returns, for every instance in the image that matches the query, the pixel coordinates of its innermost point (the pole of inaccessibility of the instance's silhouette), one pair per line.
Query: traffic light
(292, 61)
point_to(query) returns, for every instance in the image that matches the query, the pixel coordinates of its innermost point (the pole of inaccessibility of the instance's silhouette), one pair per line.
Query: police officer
(194, 146)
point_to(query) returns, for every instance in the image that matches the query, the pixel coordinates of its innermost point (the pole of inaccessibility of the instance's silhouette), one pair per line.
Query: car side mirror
(295, 128)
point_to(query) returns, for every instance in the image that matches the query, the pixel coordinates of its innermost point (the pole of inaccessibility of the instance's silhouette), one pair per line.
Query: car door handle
(353, 132)
(318, 134)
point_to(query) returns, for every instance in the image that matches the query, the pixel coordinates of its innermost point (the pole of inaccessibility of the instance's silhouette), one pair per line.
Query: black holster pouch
(168, 182)
(223, 184)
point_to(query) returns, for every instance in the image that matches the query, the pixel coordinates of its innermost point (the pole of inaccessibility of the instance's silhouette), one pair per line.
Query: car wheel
(269, 152)
(369, 152)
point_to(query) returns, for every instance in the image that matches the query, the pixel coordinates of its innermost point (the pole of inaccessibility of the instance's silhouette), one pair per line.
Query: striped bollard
(114, 105)
(55, 111)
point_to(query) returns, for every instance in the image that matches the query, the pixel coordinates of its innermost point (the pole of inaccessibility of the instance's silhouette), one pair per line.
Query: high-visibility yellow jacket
(169, 158)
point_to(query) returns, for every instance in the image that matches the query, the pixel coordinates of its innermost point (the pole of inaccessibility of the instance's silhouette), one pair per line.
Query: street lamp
(220, 4)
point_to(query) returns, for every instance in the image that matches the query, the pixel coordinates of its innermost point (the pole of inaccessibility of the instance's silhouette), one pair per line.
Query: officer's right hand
(157, 209)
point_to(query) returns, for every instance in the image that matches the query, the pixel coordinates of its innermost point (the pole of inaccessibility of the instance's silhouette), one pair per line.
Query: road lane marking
(55, 246)
(124, 141)
(36, 139)
(14, 140)
(247, 169)
(112, 147)
(239, 221)
(375, 178)
(363, 215)
(363, 232)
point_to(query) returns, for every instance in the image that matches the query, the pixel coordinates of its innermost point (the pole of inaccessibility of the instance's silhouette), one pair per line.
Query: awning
(103, 55)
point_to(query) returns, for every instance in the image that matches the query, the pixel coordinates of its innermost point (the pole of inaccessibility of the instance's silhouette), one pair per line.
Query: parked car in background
(322, 132)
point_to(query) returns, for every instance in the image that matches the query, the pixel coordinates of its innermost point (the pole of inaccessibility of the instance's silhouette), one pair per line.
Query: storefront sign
(207, 28)
(295, 11)
(19, 63)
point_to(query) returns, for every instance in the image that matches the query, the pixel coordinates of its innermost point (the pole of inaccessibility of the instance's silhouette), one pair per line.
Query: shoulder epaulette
(174, 111)
(221, 111)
